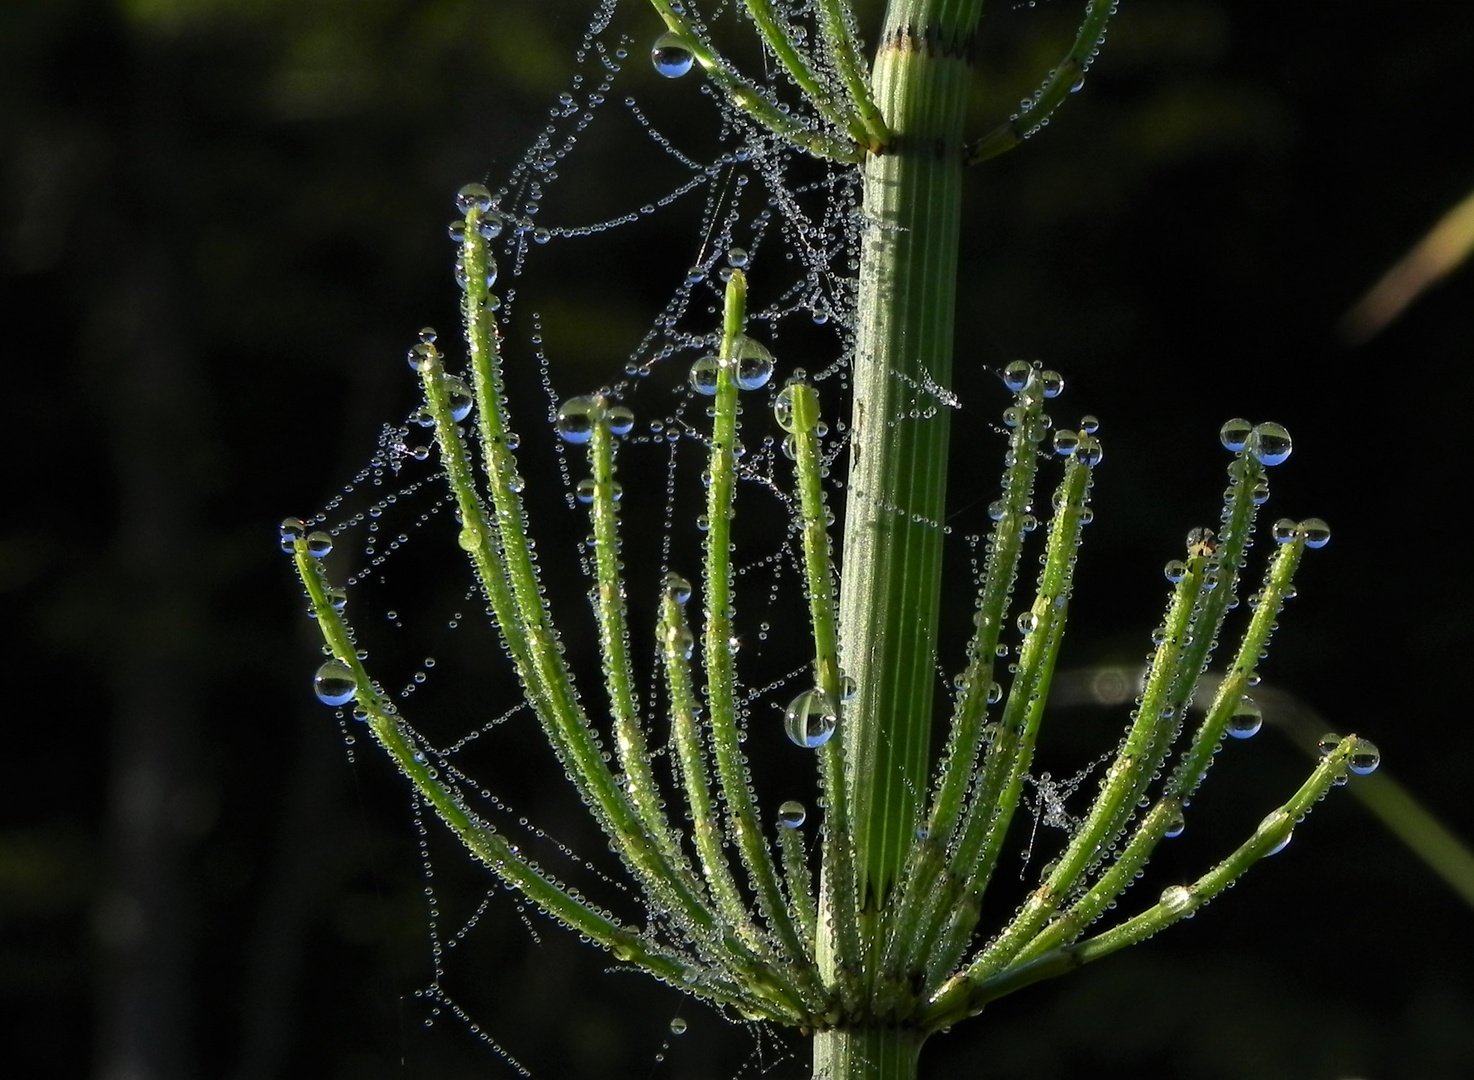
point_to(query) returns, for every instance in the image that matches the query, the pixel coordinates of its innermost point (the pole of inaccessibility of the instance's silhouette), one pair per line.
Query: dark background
(222, 223)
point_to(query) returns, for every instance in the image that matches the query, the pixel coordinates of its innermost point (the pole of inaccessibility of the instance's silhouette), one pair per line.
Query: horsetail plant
(882, 947)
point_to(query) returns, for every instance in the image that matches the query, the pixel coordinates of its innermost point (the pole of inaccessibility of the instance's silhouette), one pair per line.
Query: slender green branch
(719, 653)
(748, 97)
(838, 113)
(967, 993)
(797, 409)
(840, 38)
(676, 643)
(390, 731)
(1000, 787)
(629, 740)
(1066, 77)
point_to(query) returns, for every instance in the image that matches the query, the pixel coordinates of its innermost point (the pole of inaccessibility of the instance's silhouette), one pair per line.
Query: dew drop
(1234, 434)
(1053, 383)
(1176, 825)
(1175, 570)
(1065, 442)
(1365, 758)
(1017, 374)
(1088, 450)
(1316, 532)
(473, 195)
(704, 374)
(1270, 443)
(670, 56)
(1176, 898)
(291, 531)
(1246, 720)
(319, 544)
(1273, 820)
(1284, 531)
(737, 257)
(333, 684)
(754, 363)
(678, 1026)
(676, 587)
(621, 420)
(576, 419)
(461, 398)
(810, 719)
(680, 638)
(585, 490)
(792, 814)
(783, 409)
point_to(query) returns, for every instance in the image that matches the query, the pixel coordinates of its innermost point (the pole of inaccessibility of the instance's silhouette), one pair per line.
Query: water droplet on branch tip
(792, 814)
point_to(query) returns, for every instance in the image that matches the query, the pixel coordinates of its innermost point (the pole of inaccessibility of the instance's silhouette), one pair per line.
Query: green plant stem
(874, 1053)
(897, 483)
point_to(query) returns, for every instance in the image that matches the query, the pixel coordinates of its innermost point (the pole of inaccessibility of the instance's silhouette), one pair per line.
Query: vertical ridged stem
(897, 483)
(866, 1053)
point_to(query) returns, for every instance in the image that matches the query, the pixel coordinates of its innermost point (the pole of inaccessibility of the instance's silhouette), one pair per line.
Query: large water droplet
(1365, 758)
(704, 374)
(670, 56)
(677, 1026)
(477, 195)
(291, 531)
(1246, 720)
(1317, 533)
(333, 684)
(461, 398)
(319, 544)
(1274, 820)
(1087, 450)
(621, 420)
(577, 417)
(1016, 375)
(1234, 434)
(792, 814)
(676, 587)
(754, 363)
(811, 719)
(783, 409)
(1176, 825)
(1270, 443)
(1176, 898)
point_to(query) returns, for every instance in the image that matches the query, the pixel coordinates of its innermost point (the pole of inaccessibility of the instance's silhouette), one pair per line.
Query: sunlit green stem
(903, 369)
(504, 860)
(629, 740)
(1065, 78)
(719, 652)
(841, 951)
(780, 41)
(971, 990)
(750, 99)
